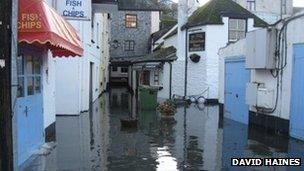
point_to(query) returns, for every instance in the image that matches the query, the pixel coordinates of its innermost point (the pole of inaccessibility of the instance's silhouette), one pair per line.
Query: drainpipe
(186, 62)
(170, 83)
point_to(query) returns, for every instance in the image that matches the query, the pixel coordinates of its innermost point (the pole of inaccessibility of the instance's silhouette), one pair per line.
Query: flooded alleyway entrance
(198, 138)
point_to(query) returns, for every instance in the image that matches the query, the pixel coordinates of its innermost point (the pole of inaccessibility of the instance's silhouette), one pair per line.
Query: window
(156, 77)
(251, 5)
(129, 45)
(124, 70)
(237, 29)
(197, 42)
(131, 20)
(114, 68)
(29, 76)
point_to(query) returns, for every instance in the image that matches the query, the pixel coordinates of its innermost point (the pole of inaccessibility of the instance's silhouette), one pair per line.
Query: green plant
(167, 108)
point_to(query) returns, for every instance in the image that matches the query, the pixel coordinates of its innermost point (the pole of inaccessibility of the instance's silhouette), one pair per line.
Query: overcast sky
(297, 3)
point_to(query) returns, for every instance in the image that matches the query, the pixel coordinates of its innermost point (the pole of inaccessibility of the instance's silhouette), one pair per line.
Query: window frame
(26, 76)
(128, 22)
(249, 5)
(237, 30)
(129, 45)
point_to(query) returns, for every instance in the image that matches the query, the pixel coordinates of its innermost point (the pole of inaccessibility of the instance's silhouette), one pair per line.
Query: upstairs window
(129, 45)
(251, 6)
(131, 20)
(237, 29)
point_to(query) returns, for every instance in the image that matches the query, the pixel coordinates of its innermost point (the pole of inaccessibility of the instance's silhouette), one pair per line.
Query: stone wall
(140, 34)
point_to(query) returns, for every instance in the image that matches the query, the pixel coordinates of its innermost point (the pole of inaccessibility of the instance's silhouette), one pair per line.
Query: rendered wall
(294, 32)
(48, 74)
(73, 74)
(270, 11)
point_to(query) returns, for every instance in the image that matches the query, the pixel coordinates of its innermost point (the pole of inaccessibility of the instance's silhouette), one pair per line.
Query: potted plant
(167, 109)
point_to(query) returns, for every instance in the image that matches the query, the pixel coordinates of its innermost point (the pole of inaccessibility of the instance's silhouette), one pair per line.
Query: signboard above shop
(74, 9)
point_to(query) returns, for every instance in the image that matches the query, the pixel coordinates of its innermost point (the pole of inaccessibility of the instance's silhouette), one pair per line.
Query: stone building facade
(130, 41)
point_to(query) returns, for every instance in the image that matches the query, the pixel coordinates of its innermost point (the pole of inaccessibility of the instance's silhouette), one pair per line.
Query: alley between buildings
(197, 138)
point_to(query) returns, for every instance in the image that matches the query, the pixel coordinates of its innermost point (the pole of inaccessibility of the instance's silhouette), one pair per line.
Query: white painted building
(78, 79)
(274, 98)
(269, 11)
(205, 36)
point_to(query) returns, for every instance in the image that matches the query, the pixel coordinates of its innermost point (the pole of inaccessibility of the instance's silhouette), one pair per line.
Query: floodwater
(198, 138)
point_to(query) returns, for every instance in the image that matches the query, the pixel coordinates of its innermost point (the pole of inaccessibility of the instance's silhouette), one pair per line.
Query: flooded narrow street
(198, 138)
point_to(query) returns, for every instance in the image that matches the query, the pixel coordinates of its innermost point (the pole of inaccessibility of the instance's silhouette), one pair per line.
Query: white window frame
(251, 5)
(238, 29)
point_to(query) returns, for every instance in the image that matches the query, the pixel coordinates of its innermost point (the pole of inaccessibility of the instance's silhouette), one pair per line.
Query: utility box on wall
(259, 96)
(260, 50)
(251, 94)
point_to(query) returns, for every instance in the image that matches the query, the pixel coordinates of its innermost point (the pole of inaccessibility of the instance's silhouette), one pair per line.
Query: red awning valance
(40, 24)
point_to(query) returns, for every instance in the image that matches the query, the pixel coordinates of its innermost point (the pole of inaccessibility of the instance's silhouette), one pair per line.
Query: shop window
(20, 89)
(124, 70)
(30, 86)
(197, 42)
(29, 76)
(131, 20)
(237, 29)
(129, 45)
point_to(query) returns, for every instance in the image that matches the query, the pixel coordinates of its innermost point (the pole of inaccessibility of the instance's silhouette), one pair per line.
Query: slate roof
(138, 5)
(213, 10)
(162, 55)
(297, 9)
(157, 35)
(174, 32)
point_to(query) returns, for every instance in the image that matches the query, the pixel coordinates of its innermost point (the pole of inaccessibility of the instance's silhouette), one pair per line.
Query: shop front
(42, 34)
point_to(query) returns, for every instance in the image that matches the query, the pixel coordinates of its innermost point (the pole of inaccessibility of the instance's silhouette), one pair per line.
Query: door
(29, 106)
(297, 94)
(236, 78)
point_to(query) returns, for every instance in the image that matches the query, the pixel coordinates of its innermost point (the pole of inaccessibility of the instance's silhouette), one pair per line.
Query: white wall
(162, 40)
(269, 11)
(48, 74)
(294, 36)
(73, 74)
(155, 21)
(165, 77)
(204, 74)
(294, 31)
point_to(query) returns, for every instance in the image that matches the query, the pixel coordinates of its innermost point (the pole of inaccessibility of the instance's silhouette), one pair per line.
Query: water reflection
(195, 139)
